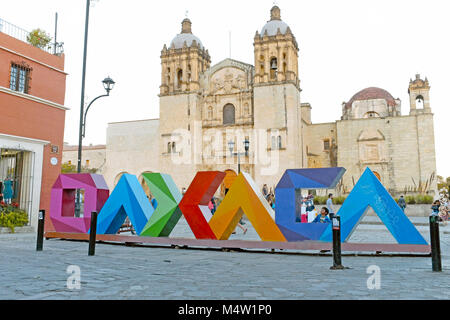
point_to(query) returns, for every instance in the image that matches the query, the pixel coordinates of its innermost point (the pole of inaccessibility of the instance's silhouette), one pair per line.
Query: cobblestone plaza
(124, 272)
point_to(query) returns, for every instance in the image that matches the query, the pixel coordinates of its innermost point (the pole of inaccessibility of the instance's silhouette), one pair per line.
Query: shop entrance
(16, 179)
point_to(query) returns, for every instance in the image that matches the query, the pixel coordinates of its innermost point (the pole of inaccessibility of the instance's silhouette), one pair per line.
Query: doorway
(16, 179)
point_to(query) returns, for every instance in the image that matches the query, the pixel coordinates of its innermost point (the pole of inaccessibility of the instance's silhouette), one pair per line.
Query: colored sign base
(249, 244)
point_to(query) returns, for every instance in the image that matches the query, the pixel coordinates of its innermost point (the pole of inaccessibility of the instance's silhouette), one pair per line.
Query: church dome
(372, 93)
(185, 36)
(275, 23)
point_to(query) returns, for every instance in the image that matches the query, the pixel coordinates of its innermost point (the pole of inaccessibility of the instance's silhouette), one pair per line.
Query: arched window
(189, 75)
(229, 114)
(273, 68)
(179, 78)
(174, 149)
(419, 102)
(169, 147)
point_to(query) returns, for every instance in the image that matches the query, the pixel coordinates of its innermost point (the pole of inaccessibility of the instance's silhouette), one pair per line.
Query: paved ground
(119, 272)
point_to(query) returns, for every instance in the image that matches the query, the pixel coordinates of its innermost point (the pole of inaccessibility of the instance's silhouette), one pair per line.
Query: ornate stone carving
(228, 81)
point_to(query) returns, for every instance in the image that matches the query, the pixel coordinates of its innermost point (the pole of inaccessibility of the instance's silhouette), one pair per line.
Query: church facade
(235, 116)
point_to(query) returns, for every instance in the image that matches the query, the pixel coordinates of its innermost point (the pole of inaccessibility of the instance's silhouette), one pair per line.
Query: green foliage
(424, 199)
(38, 38)
(410, 200)
(11, 217)
(68, 168)
(339, 200)
(419, 199)
(320, 200)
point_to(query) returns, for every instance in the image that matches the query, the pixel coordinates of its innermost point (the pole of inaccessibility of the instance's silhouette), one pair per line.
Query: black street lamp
(108, 84)
(246, 147)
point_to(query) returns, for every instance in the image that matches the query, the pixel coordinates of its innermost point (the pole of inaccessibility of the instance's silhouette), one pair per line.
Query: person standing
(435, 208)
(265, 191)
(402, 203)
(330, 206)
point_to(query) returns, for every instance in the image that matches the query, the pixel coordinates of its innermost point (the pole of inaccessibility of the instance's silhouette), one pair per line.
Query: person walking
(330, 206)
(402, 203)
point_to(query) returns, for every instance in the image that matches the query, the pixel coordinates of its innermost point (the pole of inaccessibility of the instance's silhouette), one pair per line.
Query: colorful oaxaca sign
(369, 191)
(62, 206)
(128, 199)
(285, 195)
(167, 213)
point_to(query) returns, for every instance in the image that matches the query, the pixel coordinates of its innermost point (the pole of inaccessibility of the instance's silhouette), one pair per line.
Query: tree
(67, 167)
(71, 168)
(39, 38)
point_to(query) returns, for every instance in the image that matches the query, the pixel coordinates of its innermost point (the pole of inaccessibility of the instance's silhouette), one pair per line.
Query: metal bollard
(435, 244)
(92, 233)
(40, 230)
(337, 261)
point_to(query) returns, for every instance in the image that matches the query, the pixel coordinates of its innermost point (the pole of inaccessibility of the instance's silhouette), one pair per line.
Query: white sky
(345, 46)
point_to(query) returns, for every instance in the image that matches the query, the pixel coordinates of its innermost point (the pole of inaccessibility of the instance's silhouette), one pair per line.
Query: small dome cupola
(186, 26)
(371, 102)
(275, 13)
(185, 36)
(183, 62)
(274, 24)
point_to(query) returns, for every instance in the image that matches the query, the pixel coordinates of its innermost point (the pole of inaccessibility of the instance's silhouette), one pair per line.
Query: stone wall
(316, 134)
(92, 157)
(403, 155)
(132, 147)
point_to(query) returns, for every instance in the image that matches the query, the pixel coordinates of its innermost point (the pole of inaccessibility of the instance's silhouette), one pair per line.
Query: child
(323, 216)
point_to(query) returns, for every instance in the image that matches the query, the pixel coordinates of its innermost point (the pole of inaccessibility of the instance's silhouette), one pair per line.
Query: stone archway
(117, 178)
(377, 175)
(143, 184)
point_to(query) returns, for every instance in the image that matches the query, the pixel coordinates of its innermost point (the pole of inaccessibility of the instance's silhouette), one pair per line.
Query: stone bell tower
(276, 91)
(276, 52)
(183, 62)
(419, 95)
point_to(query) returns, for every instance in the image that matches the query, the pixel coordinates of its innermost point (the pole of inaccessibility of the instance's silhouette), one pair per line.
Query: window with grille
(19, 80)
(326, 144)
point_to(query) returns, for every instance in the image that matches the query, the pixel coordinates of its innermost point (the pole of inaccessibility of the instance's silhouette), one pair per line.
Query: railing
(21, 34)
